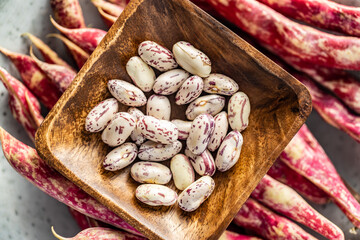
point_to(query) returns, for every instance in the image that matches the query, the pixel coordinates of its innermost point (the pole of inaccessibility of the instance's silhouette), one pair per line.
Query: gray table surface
(28, 213)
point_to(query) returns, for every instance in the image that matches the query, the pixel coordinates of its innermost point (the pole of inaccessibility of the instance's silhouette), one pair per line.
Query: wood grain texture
(280, 105)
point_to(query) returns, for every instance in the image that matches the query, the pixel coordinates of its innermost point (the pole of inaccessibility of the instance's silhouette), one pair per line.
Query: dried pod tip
(58, 26)
(106, 16)
(29, 36)
(69, 44)
(57, 235)
(32, 55)
(5, 52)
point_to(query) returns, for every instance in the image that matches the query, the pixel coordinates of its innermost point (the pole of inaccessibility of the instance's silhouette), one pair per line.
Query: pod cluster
(153, 137)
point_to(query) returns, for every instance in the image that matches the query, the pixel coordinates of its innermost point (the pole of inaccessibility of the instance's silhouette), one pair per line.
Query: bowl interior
(279, 103)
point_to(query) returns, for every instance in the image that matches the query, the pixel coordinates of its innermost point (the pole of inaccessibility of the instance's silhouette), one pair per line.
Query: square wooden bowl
(280, 105)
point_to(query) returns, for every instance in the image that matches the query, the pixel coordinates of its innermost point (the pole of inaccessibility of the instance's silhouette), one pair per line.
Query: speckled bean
(203, 164)
(119, 129)
(155, 195)
(150, 172)
(169, 82)
(195, 194)
(101, 115)
(135, 112)
(191, 59)
(157, 56)
(136, 134)
(239, 111)
(221, 128)
(189, 90)
(200, 133)
(211, 104)
(220, 84)
(120, 157)
(161, 131)
(183, 128)
(229, 151)
(182, 171)
(142, 74)
(126, 93)
(159, 107)
(152, 151)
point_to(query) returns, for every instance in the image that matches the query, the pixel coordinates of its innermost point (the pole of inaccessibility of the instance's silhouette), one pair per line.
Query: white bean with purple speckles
(229, 151)
(211, 104)
(157, 130)
(200, 133)
(221, 128)
(220, 84)
(195, 194)
(101, 114)
(135, 112)
(182, 171)
(189, 90)
(142, 74)
(169, 82)
(159, 107)
(155, 195)
(152, 151)
(136, 135)
(119, 129)
(203, 164)
(120, 157)
(183, 128)
(157, 56)
(150, 172)
(126, 93)
(191, 59)
(239, 111)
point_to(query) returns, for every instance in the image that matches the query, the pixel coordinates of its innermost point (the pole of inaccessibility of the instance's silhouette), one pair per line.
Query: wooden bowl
(280, 105)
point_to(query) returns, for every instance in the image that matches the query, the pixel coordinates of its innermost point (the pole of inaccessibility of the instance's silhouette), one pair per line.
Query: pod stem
(57, 235)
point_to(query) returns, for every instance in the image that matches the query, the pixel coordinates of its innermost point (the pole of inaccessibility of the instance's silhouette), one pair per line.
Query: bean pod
(159, 107)
(221, 128)
(182, 171)
(195, 194)
(161, 131)
(220, 84)
(126, 93)
(201, 131)
(191, 59)
(169, 82)
(239, 111)
(136, 134)
(120, 157)
(54, 184)
(150, 172)
(155, 195)
(157, 56)
(142, 74)
(101, 115)
(203, 164)
(152, 151)
(119, 129)
(183, 128)
(211, 104)
(189, 90)
(229, 151)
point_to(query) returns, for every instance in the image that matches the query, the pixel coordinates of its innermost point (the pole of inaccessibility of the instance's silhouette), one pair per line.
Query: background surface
(28, 213)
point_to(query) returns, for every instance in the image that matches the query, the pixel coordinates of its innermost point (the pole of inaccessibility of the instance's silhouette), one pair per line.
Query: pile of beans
(158, 136)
